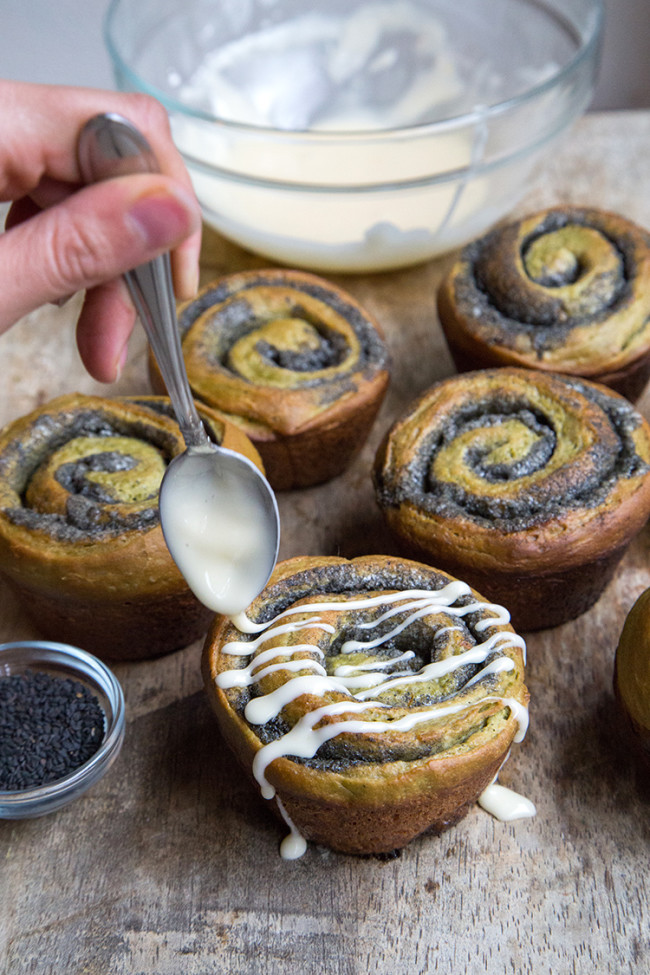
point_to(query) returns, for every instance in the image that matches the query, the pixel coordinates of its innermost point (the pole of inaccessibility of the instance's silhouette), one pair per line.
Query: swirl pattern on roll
(373, 698)
(511, 449)
(378, 648)
(278, 348)
(81, 543)
(88, 467)
(567, 289)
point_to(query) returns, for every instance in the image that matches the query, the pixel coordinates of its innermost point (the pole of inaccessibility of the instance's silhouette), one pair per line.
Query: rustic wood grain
(170, 865)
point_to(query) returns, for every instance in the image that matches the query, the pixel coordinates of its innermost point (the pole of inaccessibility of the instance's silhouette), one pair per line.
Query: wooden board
(170, 865)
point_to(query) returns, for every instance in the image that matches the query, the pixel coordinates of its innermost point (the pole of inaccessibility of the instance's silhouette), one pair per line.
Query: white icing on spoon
(215, 520)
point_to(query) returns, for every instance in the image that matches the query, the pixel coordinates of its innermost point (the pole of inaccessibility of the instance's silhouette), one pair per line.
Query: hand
(62, 237)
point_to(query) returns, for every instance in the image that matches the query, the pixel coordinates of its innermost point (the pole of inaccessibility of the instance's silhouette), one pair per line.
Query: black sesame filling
(515, 511)
(90, 509)
(426, 640)
(235, 318)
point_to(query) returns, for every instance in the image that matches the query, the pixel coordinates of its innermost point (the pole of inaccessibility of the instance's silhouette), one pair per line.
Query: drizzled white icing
(294, 845)
(361, 683)
(504, 804)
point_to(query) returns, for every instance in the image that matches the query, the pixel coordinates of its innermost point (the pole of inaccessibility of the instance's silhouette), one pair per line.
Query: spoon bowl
(215, 512)
(218, 512)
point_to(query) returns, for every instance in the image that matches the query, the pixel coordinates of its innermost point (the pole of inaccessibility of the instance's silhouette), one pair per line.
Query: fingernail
(188, 280)
(163, 219)
(121, 361)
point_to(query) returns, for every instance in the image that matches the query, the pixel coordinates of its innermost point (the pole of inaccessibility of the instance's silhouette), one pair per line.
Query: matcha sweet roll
(565, 290)
(80, 536)
(527, 484)
(368, 700)
(291, 359)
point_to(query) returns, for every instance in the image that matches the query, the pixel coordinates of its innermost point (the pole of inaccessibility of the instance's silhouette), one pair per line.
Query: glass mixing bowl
(64, 661)
(359, 135)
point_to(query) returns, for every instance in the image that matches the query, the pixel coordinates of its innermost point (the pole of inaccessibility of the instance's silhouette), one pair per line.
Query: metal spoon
(218, 513)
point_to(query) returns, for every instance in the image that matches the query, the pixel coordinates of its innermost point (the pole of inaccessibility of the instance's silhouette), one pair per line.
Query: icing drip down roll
(80, 536)
(566, 290)
(528, 485)
(292, 360)
(370, 699)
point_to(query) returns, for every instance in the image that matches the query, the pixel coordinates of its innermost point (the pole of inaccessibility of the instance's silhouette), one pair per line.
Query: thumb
(90, 238)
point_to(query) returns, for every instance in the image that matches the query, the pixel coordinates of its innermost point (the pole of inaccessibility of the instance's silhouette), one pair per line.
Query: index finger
(42, 126)
(38, 156)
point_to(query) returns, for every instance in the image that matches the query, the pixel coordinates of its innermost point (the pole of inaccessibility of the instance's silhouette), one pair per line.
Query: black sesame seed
(49, 726)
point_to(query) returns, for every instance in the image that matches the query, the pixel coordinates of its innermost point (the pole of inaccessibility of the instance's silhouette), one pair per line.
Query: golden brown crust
(565, 290)
(294, 361)
(528, 485)
(632, 677)
(89, 570)
(220, 429)
(374, 791)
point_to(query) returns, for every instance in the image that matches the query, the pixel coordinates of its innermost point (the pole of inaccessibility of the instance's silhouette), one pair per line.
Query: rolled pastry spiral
(565, 290)
(373, 699)
(294, 361)
(529, 485)
(80, 536)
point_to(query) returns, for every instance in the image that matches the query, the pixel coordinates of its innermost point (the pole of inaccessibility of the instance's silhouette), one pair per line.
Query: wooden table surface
(170, 865)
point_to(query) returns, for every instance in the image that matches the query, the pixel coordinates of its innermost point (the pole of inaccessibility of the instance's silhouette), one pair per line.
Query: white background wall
(60, 41)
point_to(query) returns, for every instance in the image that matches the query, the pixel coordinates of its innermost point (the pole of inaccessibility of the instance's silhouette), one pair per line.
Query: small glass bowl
(359, 135)
(64, 661)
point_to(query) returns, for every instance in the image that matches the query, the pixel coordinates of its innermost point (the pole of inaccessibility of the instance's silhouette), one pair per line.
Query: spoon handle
(110, 146)
(151, 290)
